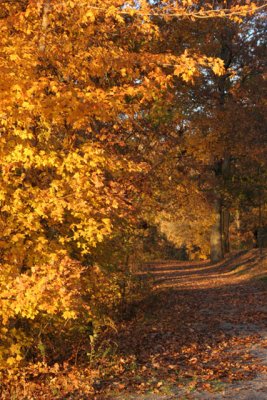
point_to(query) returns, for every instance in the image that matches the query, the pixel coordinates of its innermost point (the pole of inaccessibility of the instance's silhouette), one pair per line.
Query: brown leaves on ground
(196, 330)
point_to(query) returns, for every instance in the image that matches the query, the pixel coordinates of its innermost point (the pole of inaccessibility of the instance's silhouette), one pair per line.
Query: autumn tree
(81, 87)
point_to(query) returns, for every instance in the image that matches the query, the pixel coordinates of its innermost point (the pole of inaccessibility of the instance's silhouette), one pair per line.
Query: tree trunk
(225, 224)
(219, 239)
(225, 213)
(216, 250)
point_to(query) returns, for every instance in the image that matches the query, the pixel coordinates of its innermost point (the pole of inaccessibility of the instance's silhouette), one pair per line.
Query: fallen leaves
(194, 335)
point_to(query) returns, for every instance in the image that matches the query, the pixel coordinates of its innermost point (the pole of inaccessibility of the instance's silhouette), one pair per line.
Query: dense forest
(130, 131)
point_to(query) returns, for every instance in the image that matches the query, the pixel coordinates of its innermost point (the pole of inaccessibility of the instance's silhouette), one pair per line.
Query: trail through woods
(200, 334)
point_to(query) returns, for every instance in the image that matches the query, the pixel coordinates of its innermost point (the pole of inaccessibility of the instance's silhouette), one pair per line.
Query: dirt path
(200, 334)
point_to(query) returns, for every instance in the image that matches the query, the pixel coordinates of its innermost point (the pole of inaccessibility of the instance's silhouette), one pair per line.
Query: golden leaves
(88, 16)
(189, 66)
(112, 11)
(33, 293)
(217, 65)
(14, 57)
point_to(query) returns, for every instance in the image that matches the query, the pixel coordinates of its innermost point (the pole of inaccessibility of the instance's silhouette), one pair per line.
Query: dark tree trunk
(216, 250)
(225, 224)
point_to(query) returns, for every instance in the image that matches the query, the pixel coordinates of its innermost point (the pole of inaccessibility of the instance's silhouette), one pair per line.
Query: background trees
(215, 129)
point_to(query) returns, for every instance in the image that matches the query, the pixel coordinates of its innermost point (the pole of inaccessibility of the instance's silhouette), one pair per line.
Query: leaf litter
(200, 333)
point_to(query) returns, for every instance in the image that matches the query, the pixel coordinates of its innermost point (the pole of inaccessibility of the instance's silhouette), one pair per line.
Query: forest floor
(200, 334)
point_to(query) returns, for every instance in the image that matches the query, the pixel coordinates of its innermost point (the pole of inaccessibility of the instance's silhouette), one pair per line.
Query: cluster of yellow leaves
(52, 298)
(195, 63)
(28, 295)
(11, 349)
